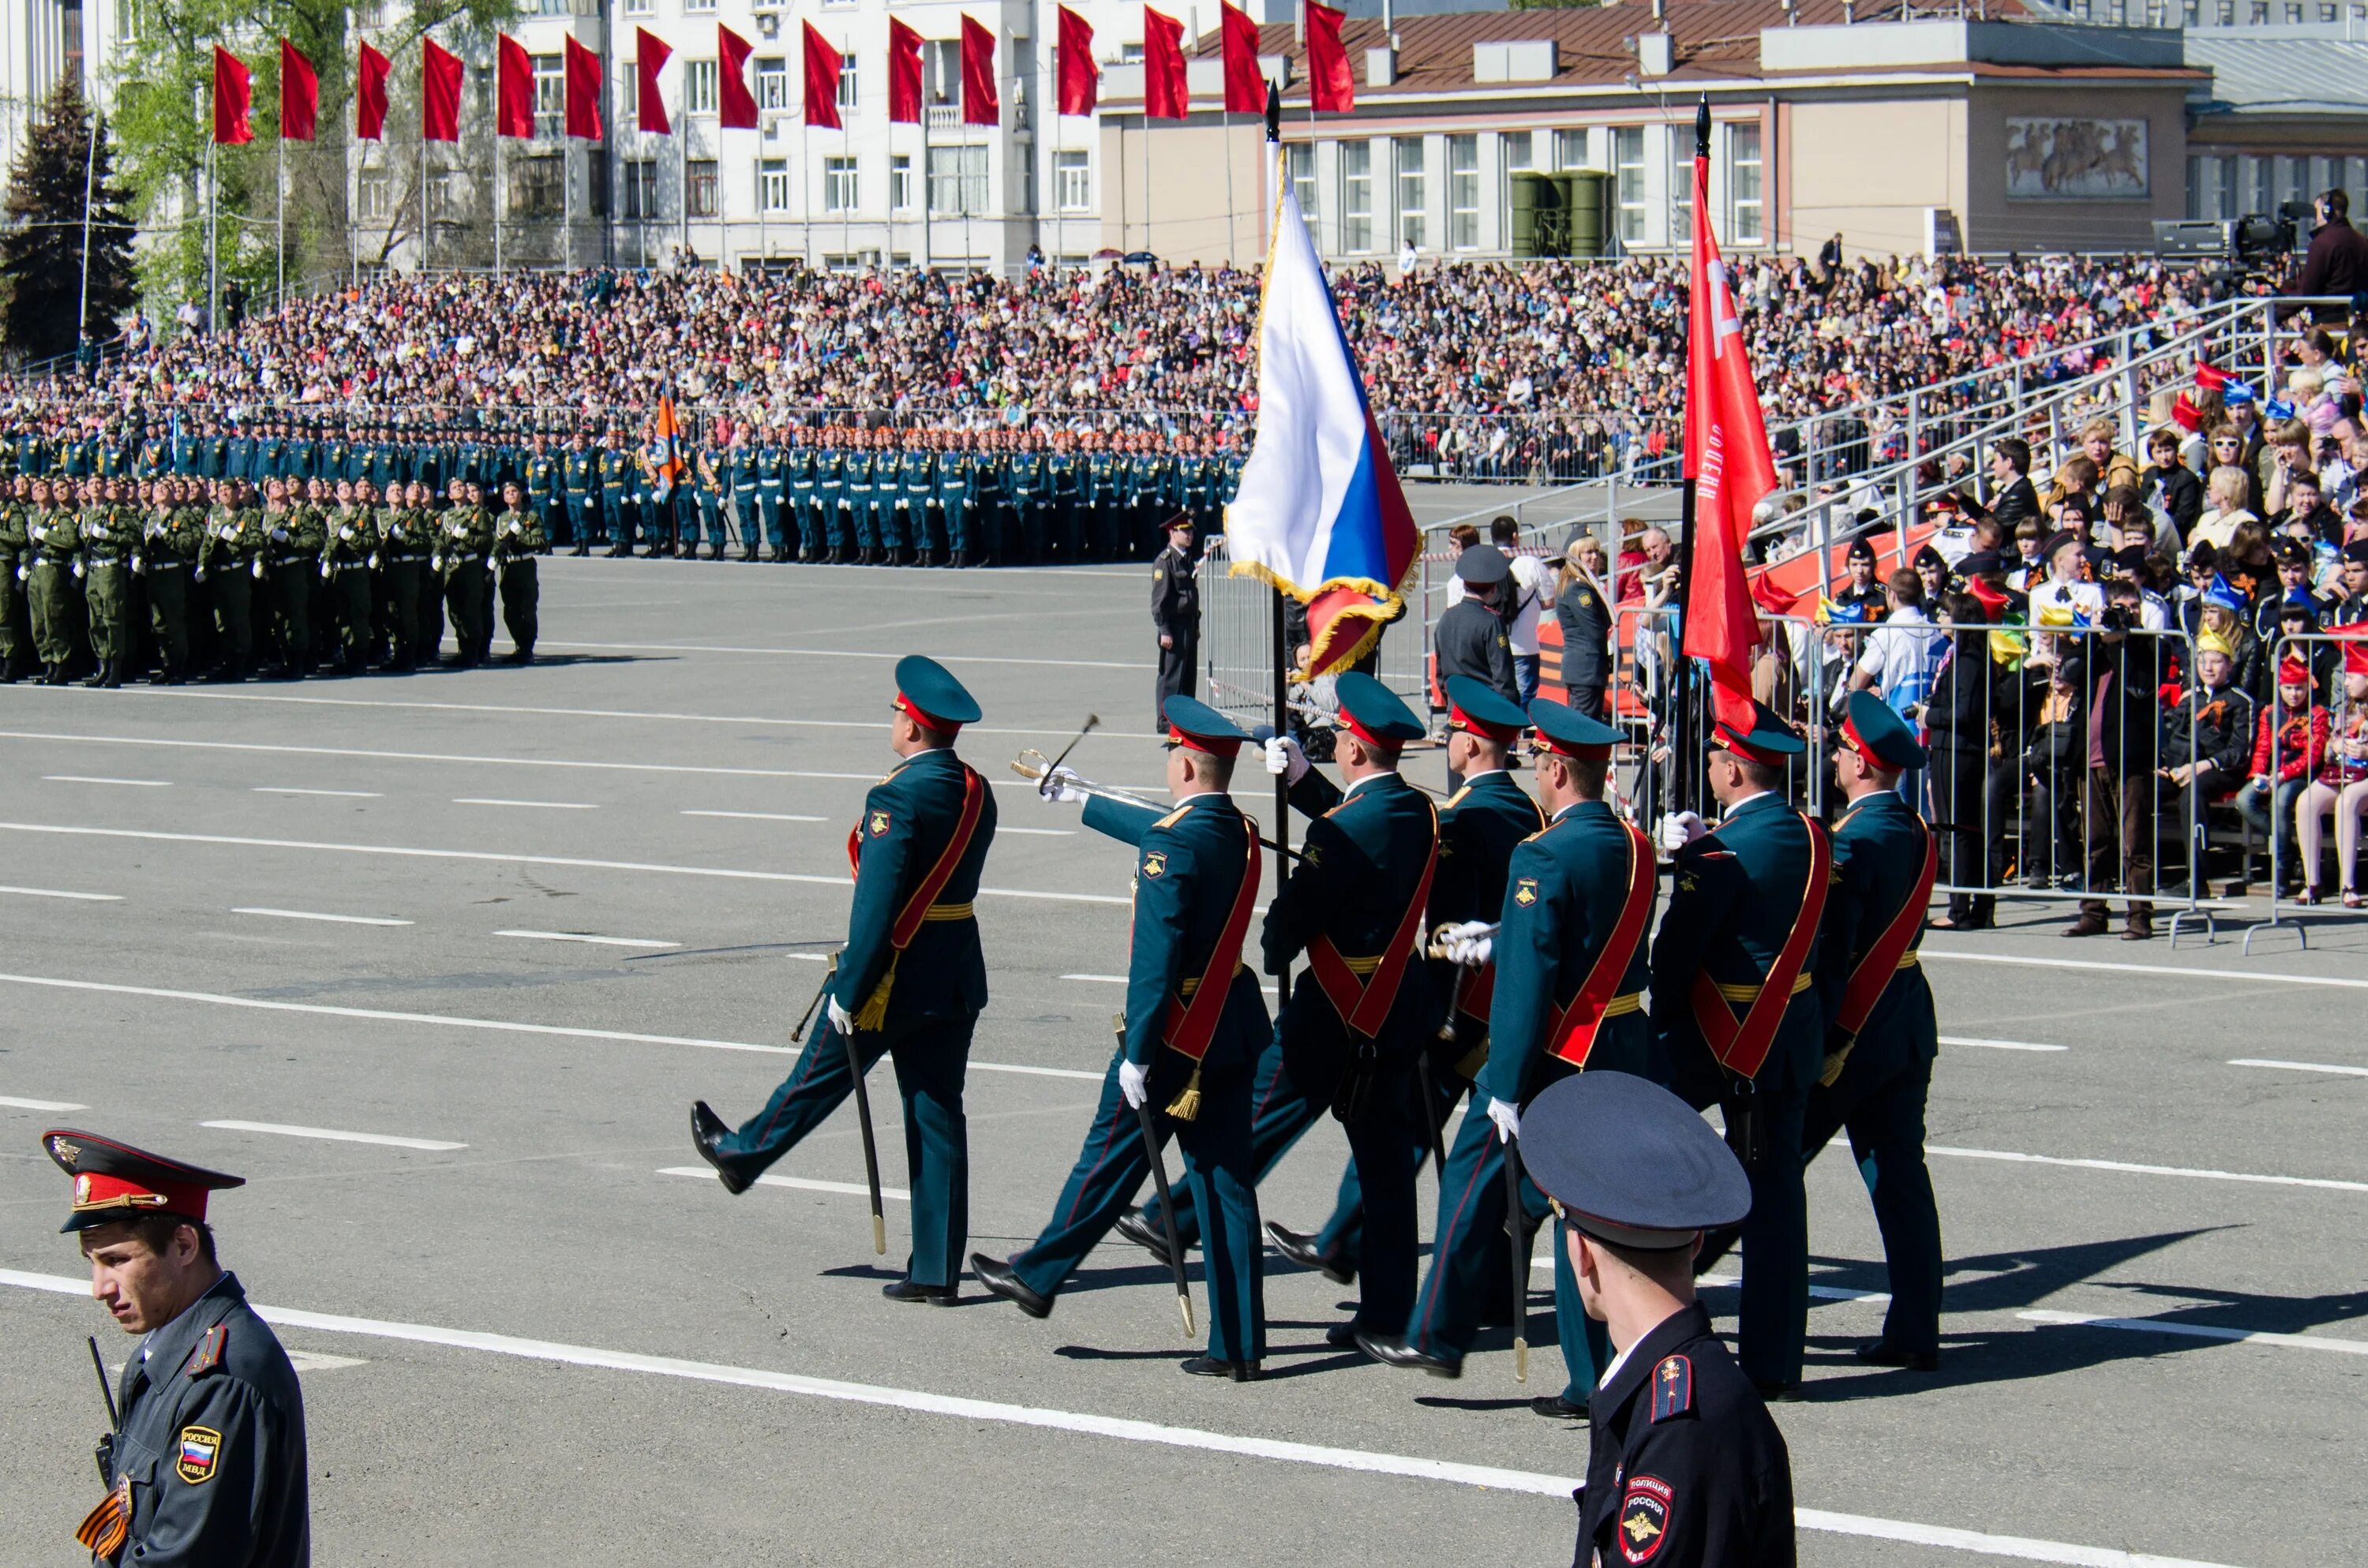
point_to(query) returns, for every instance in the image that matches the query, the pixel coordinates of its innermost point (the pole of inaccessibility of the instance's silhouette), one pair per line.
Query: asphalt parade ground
(438, 962)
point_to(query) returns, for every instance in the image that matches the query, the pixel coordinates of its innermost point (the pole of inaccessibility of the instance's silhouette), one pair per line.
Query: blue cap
(931, 696)
(1479, 707)
(2236, 393)
(1629, 1162)
(1768, 740)
(1373, 712)
(1565, 730)
(1870, 728)
(1192, 722)
(2224, 592)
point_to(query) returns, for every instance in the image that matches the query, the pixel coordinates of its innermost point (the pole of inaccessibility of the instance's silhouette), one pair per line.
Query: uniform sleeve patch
(1525, 892)
(200, 1453)
(1154, 864)
(877, 824)
(1673, 1388)
(1644, 1518)
(208, 1353)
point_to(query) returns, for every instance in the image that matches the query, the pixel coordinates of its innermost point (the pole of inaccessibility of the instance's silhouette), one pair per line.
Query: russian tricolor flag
(1319, 514)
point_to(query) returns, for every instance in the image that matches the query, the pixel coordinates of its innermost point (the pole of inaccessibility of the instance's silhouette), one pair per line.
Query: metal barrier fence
(2330, 778)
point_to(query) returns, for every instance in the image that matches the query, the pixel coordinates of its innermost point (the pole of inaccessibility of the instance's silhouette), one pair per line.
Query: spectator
(1583, 610)
(2340, 787)
(2289, 747)
(1898, 662)
(2054, 763)
(2224, 503)
(1533, 592)
(2207, 738)
(2171, 487)
(2337, 260)
(2012, 499)
(1957, 718)
(2125, 674)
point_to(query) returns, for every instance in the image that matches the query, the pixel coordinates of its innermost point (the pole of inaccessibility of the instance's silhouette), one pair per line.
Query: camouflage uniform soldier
(15, 559)
(169, 553)
(292, 550)
(111, 534)
(349, 544)
(465, 540)
(53, 530)
(229, 561)
(518, 540)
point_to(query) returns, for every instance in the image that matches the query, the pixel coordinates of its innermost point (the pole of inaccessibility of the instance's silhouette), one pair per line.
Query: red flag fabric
(650, 54)
(513, 88)
(980, 105)
(1727, 457)
(904, 74)
(299, 94)
(439, 93)
(1245, 84)
(1165, 94)
(583, 92)
(822, 80)
(735, 105)
(1329, 80)
(1081, 79)
(233, 93)
(370, 95)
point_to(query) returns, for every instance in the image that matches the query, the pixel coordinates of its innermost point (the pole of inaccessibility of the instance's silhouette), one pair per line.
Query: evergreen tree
(42, 245)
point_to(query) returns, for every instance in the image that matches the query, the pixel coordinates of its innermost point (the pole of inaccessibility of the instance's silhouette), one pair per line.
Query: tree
(67, 157)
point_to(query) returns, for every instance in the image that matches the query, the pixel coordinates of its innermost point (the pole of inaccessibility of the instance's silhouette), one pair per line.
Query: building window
(535, 189)
(900, 182)
(1570, 149)
(958, 181)
(638, 7)
(1357, 196)
(374, 195)
(846, 80)
(699, 188)
(553, 8)
(367, 14)
(1682, 183)
(1515, 149)
(1628, 165)
(1414, 207)
(840, 192)
(698, 86)
(640, 189)
(1300, 161)
(1073, 181)
(448, 196)
(596, 180)
(694, 8)
(773, 83)
(1464, 192)
(550, 95)
(773, 185)
(1746, 209)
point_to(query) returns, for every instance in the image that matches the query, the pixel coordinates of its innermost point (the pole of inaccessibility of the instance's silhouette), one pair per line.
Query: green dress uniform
(406, 538)
(169, 556)
(518, 540)
(294, 537)
(1197, 870)
(16, 580)
(110, 533)
(464, 541)
(230, 559)
(53, 586)
(912, 979)
(351, 541)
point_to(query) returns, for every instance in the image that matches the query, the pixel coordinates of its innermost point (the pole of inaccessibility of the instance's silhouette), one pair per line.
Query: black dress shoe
(1208, 1366)
(908, 1289)
(706, 1127)
(1300, 1248)
(1392, 1351)
(1144, 1234)
(1779, 1393)
(1876, 1353)
(1554, 1407)
(1002, 1280)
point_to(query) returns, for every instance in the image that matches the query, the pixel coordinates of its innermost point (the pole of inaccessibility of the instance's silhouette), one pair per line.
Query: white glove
(259, 568)
(1469, 944)
(1285, 760)
(436, 563)
(138, 567)
(1679, 829)
(1134, 1082)
(345, 533)
(280, 536)
(22, 575)
(373, 560)
(511, 528)
(198, 575)
(1508, 1118)
(324, 570)
(841, 1018)
(77, 568)
(1062, 785)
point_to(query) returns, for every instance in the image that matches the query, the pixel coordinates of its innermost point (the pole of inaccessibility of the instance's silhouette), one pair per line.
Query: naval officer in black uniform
(1176, 616)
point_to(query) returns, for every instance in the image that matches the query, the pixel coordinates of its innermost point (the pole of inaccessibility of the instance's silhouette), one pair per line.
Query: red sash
(1364, 1007)
(1475, 991)
(1190, 1026)
(1571, 1036)
(917, 907)
(1874, 970)
(1742, 1048)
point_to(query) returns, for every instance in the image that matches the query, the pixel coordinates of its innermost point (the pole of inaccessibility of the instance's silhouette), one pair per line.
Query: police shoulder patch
(1155, 864)
(1525, 892)
(1644, 1518)
(198, 1455)
(208, 1353)
(1673, 1388)
(876, 824)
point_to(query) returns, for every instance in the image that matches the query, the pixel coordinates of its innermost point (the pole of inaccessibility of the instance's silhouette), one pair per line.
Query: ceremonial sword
(862, 1110)
(1166, 1201)
(1513, 1229)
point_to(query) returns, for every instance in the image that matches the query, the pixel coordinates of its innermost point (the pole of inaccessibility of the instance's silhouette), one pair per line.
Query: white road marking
(2301, 1067)
(340, 794)
(2203, 1331)
(60, 892)
(596, 941)
(334, 1135)
(313, 1361)
(1127, 1429)
(757, 816)
(2232, 976)
(533, 805)
(2150, 1170)
(86, 778)
(495, 1026)
(804, 1184)
(511, 859)
(20, 1104)
(851, 654)
(1998, 1044)
(1099, 978)
(311, 915)
(1037, 832)
(1544, 1261)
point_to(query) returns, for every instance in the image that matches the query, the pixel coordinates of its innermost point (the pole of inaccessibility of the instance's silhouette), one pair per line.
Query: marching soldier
(580, 474)
(169, 553)
(540, 472)
(406, 541)
(1741, 932)
(350, 542)
(53, 533)
(293, 553)
(800, 468)
(16, 575)
(830, 495)
(1684, 1466)
(1194, 1022)
(518, 540)
(618, 470)
(463, 542)
(206, 1463)
(919, 470)
(228, 561)
(917, 853)
(111, 534)
(1176, 613)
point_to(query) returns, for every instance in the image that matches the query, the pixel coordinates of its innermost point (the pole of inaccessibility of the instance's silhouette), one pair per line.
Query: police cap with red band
(1870, 728)
(115, 1182)
(1196, 726)
(932, 696)
(1566, 732)
(1478, 709)
(1372, 713)
(1770, 740)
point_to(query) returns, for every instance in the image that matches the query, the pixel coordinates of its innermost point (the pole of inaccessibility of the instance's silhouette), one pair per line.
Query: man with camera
(2337, 260)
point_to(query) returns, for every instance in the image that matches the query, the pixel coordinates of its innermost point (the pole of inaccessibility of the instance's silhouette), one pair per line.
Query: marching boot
(581, 548)
(54, 674)
(706, 1127)
(1002, 1280)
(97, 679)
(114, 671)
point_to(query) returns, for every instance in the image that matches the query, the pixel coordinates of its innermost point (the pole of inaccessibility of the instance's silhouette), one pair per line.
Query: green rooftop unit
(1559, 214)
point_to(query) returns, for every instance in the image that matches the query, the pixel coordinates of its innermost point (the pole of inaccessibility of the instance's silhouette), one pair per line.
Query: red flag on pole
(1081, 79)
(904, 74)
(439, 93)
(299, 94)
(513, 88)
(370, 95)
(583, 92)
(822, 80)
(1165, 94)
(735, 105)
(1728, 460)
(233, 93)
(1330, 82)
(650, 55)
(1244, 83)
(980, 105)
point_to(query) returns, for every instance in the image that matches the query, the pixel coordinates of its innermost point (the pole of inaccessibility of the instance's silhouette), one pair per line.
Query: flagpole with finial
(1690, 726)
(1281, 634)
